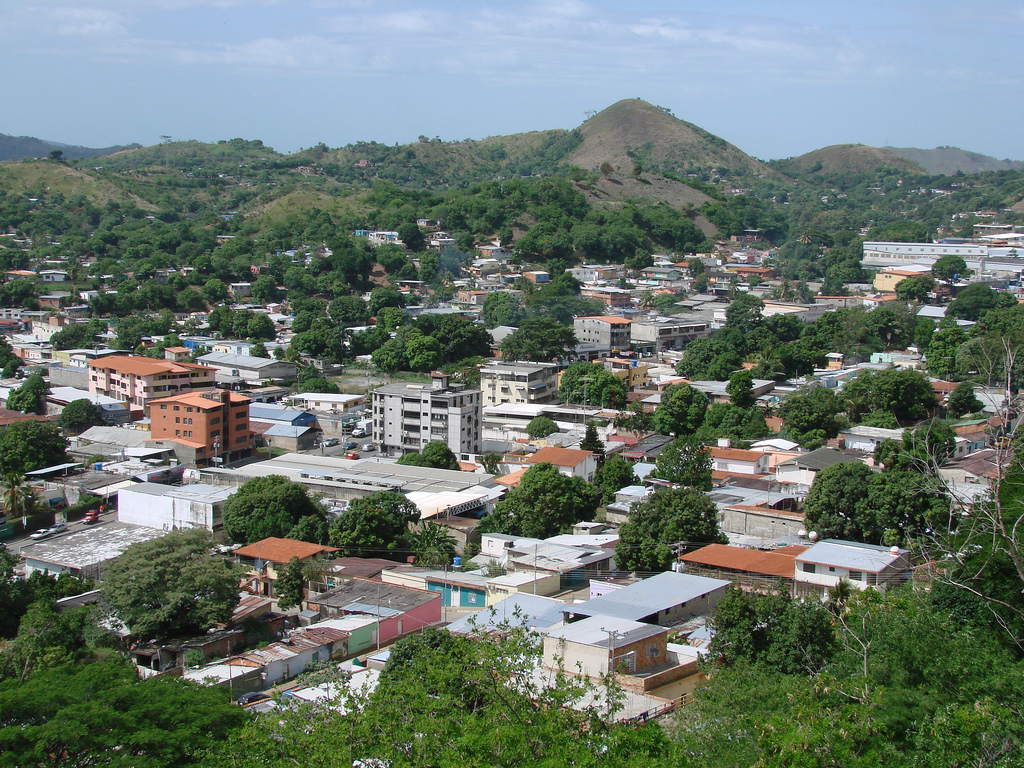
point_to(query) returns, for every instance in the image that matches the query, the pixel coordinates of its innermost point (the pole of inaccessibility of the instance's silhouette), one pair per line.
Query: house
(663, 599)
(570, 462)
(597, 646)
(826, 563)
(84, 553)
(170, 508)
(211, 427)
(457, 589)
(408, 416)
(616, 298)
(737, 461)
(801, 470)
(267, 557)
(399, 610)
(112, 411)
(324, 403)
(140, 380)
(745, 567)
(867, 439)
(517, 610)
(664, 334)
(574, 564)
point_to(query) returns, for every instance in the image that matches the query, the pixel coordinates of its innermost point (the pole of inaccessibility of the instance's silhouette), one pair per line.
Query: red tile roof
(141, 366)
(560, 457)
(278, 550)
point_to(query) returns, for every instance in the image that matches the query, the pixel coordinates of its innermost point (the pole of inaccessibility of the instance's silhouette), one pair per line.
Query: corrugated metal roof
(658, 593)
(605, 631)
(854, 556)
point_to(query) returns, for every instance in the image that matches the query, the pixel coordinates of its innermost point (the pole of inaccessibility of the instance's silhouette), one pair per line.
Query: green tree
(539, 339)
(545, 503)
(590, 383)
(435, 454)
(490, 462)
(681, 411)
(260, 328)
(411, 236)
(741, 389)
(374, 525)
(614, 474)
(432, 544)
(29, 445)
(391, 357)
(907, 395)
(79, 415)
(290, 585)
(943, 346)
(975, 300)
(634, 419)
(836, 505)
(591, 441)
(502, 308)
(663, 526)
(962, 400)
(812, 415)
(171, 586)
(272, 506)
(348, 310)
(215, 291)
(915, 288)
(685, 462)
(949, 269)
(30, 397)
(423, 352)
(382, 297)
(540, 427)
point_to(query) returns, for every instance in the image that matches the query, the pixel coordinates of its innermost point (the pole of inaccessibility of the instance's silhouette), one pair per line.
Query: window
(188, 409)
(177, 420)
(831, 569)
(808, 567)
(856, 576)
(240, 427)
(215, 420)
(163, 407)
(177, 433)
(177, 408)
(653, 651)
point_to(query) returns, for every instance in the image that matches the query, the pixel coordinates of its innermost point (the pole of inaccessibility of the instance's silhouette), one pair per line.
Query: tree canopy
(273, 506)
(79, 415)
(681, 411)
(375, 525)
(663, 526)
(539, 340)
(26, 446)
(545, 503)
(435, 454)
(171, 586)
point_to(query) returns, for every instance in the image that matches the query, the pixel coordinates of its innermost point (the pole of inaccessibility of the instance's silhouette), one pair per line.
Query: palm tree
(432, 544)
(18, 497)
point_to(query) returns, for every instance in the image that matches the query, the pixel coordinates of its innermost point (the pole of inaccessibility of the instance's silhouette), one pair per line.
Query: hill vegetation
(18, 147)
(948, 161)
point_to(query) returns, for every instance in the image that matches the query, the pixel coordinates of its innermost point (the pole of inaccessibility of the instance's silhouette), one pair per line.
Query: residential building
(211, 427)
(801, 470)
(573, 565)
(571, 462)
(249, 368)
(605, 330)
(514, 382)
(861, 438)
(111, 411)
(399, 610)
(661, 599)
(267, 558)
(888, 279)
(739, 462)
(830, 561)
(664, 334)
(408, 416)
(601, 645)
(745, 567)
(324, 403)
(140, 380)
(616, 298)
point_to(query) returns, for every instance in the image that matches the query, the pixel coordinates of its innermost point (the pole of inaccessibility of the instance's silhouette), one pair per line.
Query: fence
(665, 709)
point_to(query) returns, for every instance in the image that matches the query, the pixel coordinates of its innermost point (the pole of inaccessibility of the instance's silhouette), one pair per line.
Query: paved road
(15, 544)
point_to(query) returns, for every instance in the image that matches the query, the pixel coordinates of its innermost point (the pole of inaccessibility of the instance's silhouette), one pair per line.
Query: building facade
(408, 416)
(211, 427)
(512, 382)
(140, 380)
(661, 335)
(612, 332)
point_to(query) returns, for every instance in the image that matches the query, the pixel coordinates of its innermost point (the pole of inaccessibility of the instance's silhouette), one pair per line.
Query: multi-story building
(663, 334)
(605, 330)
(210, 427)
(408, 416)
(514, 382)
(140, 380)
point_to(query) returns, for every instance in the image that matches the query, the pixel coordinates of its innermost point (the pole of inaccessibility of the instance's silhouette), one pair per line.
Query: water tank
(457, 562)
(813, 535)
(99, 466)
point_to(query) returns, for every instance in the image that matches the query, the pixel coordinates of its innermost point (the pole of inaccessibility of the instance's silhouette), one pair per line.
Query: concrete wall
(165, 512)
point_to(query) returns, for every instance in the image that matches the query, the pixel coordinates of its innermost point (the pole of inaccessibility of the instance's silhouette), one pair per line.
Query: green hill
(947, 161)
(20, 147)
(846, 158)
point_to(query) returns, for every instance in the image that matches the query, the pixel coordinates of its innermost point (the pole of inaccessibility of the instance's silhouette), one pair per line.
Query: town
(294, 468)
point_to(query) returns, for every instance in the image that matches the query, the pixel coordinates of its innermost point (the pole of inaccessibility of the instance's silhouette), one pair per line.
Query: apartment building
(666, 333)
(140, 380)
(514, 382)
(612, 332)
(408, 416)
(203, 428)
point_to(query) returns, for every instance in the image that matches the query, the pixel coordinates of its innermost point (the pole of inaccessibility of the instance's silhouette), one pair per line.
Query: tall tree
(539, 340)
(289, 587)
(663, 526)
(375, 525)
(435, 454)
(30, 397)
(681, 411)
(545, 503)
(685, 462)
(29, 445)
(273, 506)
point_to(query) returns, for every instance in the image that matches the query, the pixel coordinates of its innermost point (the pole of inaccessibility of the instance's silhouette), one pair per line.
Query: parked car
(351, 455)
(42, 533)
(358, 432)
(350, 446)
(369, 447)
(58, 527)
(91, 517)
(251, 698)
(330, 441)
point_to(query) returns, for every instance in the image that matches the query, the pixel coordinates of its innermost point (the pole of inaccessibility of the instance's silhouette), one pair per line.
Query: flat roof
(869, 558)
(605, 631)
(91, 546)
(518, 610)
(195, 492)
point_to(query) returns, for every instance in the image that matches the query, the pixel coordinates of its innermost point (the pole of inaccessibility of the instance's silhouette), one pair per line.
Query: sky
(776, 79)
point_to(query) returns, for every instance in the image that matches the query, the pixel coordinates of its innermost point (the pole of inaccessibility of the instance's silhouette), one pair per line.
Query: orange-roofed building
(268, 557)
(609, 331)
(571, 462)
(140, 380)
(203, 428)
(746, 567)
(739, 462)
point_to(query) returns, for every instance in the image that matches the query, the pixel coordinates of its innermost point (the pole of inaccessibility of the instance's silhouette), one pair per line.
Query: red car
(351, 455)
(90, 518)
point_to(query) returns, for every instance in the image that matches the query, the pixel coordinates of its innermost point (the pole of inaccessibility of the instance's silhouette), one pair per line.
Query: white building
(513, 382)
(829, 561)
(892, 254)
(249, 368)
(861, 438)
(327, 403)
(666, 333)
(173, 508)
(408, 416)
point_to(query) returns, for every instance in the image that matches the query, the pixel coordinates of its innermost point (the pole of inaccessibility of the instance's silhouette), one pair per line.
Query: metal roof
(605, 631)
(650, 596)
(518, 610)
(854, 556)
